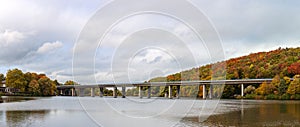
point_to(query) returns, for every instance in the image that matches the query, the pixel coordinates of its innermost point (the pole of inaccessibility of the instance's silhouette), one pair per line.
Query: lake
(132, 111)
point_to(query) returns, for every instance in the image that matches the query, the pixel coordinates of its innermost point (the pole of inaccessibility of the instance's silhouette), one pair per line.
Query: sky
(92, 42)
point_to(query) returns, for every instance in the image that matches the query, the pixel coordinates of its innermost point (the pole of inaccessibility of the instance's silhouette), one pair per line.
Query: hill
(278, 64)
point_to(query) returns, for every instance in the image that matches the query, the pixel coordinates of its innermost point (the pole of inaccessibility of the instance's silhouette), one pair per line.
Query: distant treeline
(31, 84)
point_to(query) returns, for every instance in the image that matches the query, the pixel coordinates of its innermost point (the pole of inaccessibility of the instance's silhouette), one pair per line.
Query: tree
(2, 78)
(70, 82)
(34, 87)
(265, 89)
(283, 85)
(249, 89)
(276, 83)
(294, 68)
(47, 87)
(294, 87)
(16, 79)
(228, 91)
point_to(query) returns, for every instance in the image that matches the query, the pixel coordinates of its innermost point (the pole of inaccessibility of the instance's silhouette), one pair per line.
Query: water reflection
(23, 118)
(8, 99)
(67, 111)
(268, 113)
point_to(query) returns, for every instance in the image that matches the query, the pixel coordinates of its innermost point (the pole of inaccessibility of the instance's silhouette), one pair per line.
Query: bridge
(178, 84)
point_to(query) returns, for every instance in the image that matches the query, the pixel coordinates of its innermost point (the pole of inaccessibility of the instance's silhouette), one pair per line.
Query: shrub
(297, 96)
(271, 97)
(250, 96)
(285, 97)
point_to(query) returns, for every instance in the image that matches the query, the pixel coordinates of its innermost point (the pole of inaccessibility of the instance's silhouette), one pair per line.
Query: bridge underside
(70, 90)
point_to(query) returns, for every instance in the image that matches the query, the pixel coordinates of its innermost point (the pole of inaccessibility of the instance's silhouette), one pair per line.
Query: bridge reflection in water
(200, 83)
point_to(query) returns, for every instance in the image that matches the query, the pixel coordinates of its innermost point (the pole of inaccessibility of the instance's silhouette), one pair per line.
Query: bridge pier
(123, 91)
(204, 92)
(149, 92)
(242, 90)
(178, 92)
(211, 91)
(92, 92)
(101, 91)
(140, 91)
(170, 92)
(115, 94)
(73, 92)
(61, 92)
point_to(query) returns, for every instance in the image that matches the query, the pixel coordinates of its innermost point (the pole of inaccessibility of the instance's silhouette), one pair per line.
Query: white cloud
(9, 37)
(49, 47)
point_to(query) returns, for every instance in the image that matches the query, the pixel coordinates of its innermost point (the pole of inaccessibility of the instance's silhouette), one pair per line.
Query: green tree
(283, 85)
(2, 78)
(16, 79)
(228, 91)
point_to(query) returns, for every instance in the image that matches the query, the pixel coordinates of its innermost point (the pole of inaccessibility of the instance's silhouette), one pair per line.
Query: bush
(250, 96)
(285, 97)
(271, 97)
(297, 96)
(238, 97)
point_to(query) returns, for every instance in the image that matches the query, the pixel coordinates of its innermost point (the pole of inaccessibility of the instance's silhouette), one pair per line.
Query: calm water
(88, 111)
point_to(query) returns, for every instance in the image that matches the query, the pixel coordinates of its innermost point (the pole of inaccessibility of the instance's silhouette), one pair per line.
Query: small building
(5, 89)
(3, 83)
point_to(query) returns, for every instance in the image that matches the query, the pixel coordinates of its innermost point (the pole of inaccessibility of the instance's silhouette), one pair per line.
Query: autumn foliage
(280, 64)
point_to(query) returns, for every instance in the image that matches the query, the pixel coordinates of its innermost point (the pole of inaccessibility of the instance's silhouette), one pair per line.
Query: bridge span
(178, 84)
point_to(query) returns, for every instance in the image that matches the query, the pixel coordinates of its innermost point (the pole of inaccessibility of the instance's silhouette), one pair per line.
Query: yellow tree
(265, 89)
(294, 87)
(34, 87)
(70, 82)
(16, 79)
(47, 87)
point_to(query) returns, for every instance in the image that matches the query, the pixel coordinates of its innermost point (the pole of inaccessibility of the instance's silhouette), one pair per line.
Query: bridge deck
(176, 83)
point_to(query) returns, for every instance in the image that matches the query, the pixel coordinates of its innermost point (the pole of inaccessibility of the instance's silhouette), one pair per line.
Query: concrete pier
(242, 90)
(170, 92)
(149, 92)
(73, 91)
(204, 91)
(123, 92)
(178, 92)
(92, 92)
(115, 92)
(140, 91)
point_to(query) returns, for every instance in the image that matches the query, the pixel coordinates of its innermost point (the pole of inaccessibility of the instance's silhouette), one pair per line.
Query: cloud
(27, 29)
(9, 37)
(15, 45)
(253, 26)
(49, 47)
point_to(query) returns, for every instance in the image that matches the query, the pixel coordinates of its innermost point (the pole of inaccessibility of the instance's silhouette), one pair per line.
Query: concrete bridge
(178, 84)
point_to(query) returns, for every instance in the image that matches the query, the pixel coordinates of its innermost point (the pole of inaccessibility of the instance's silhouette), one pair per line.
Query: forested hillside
(280, 64)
